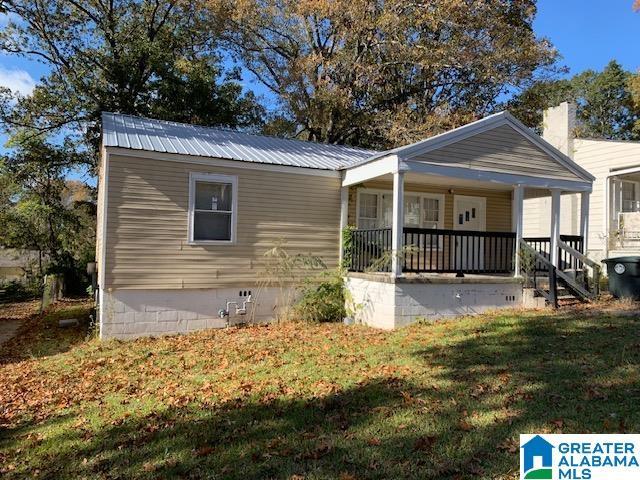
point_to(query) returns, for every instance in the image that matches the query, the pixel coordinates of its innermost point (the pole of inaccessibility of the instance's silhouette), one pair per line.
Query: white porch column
(344, 212)
(517, 209)
(584, 220)
(397, 224)
(555, 226)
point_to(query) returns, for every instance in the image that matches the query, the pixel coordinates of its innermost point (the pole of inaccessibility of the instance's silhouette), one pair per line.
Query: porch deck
(437, 278)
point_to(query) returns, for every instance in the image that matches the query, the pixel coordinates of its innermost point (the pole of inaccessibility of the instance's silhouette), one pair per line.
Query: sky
(587, 33)
(590, 33)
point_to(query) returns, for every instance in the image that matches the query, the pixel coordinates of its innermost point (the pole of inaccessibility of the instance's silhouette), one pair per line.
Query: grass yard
(444, 400)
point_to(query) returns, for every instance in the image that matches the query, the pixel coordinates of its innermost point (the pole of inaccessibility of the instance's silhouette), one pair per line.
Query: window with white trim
(368, 210)
(212, 208)
(421, 210)
(630, 193)
(431, 215)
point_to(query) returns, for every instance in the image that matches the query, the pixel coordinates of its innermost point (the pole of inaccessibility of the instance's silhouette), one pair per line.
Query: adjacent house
(186, 213)
(15, 263)
(614, 205)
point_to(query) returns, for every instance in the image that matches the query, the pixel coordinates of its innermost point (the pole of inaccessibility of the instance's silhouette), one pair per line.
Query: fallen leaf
(424, 443)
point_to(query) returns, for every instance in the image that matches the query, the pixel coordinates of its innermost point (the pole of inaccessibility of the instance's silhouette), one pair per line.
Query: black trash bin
(624, 276)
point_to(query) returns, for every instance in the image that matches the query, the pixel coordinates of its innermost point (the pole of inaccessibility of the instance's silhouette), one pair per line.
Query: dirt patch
(608, 305)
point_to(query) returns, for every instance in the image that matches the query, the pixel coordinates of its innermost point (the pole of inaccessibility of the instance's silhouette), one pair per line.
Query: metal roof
(140, 133)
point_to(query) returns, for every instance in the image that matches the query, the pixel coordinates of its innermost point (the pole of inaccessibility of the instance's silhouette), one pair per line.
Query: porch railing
(542, 245)
(452, 251)
(434, 251)
(370, 250)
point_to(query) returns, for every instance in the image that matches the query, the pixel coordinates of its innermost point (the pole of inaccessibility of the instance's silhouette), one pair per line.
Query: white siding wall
(598, 157)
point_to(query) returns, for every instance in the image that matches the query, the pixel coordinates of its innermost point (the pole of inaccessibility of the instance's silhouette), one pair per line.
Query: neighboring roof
(140, 133)
(466, 131)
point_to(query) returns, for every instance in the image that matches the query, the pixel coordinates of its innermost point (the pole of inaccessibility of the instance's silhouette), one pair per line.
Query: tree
(380, 73)
(38, 210)
(634, 88)
(605, 104)
(145, 57)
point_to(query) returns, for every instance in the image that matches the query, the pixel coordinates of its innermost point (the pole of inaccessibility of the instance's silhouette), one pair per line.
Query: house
(537, 447)
(15, 263)
(614, 205)
(185, 214)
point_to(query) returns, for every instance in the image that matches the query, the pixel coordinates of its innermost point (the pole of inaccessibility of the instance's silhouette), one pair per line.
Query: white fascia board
(623, 171)
(466, 173)
(368, 171)
(220, 162)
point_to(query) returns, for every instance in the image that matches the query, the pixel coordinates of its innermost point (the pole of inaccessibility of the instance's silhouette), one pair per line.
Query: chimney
(558, 127)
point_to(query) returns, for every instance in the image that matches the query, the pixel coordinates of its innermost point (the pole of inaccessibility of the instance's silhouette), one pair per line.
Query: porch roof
(497, 149)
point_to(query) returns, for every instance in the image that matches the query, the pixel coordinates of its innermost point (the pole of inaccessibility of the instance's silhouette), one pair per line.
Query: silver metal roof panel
(138, 133)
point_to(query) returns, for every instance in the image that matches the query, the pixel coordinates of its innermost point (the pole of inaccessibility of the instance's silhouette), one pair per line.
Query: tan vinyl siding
(498, 202)
(500, 150)
(147, 234)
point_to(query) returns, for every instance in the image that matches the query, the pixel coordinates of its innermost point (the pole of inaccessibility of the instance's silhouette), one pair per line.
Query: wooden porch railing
(434, 251)
(542, 245)
(573, 277)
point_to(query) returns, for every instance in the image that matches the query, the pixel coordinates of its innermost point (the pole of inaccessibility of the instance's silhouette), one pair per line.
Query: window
(368, 211)
(412, 211)
(629, 193)
(421, 210)
(430, 212)
(212, 208)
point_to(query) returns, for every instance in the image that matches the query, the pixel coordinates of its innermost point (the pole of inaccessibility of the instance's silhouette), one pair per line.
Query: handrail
(579, 255)
(571, 283)
(552, 295)
(446, 231)
(433, 250)
(586, 261)
(538, 255)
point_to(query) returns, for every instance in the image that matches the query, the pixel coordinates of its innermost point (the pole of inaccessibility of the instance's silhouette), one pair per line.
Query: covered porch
(452, 207)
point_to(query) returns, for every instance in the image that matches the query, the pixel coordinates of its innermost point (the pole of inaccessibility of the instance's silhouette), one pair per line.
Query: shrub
(322, 300)
(15, 291)
(347, 245)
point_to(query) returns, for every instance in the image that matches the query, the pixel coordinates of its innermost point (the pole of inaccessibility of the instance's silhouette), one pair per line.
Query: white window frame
(422, 195)
(636, 192)
(212, 178)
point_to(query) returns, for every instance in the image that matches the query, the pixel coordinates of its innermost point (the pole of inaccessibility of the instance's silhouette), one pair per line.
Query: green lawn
(445, 400)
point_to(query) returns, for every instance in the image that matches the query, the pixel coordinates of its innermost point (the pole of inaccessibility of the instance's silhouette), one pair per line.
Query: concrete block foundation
(385, 302)
(129, 314)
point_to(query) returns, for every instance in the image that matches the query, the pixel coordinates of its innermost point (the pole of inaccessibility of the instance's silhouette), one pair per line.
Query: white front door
(469, 213)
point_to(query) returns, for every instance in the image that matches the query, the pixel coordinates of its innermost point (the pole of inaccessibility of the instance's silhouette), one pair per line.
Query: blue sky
(588, 34)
